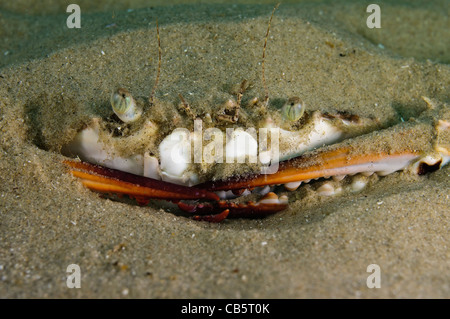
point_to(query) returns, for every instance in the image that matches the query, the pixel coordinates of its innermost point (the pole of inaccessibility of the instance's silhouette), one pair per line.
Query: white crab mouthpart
(176, 160)
(272, 198)
(358, 183)
(292, 186)
(151, 167)
(295, 143)
(328, 189)
(241, 145)
(175, 157)
(87, 147)
(322, 133)
(339, 178)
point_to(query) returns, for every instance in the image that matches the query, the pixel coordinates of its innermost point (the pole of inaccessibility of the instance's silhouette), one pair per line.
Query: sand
(53, 80)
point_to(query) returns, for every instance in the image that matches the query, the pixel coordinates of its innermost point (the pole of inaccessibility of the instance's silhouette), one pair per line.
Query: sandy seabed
(52, 80)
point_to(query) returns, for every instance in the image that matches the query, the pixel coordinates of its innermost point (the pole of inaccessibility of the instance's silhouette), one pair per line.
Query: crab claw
(268, 205)
(217, 218)
(107, 180)
(340, 161)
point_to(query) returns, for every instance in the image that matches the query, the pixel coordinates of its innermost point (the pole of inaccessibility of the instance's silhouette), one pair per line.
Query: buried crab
(302, 146)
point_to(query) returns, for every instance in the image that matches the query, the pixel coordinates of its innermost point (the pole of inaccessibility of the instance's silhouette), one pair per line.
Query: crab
(295, 146)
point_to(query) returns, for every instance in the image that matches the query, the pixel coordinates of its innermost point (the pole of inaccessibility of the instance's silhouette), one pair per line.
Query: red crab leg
(215, 218)
(107, 180)
(269, 205)
(340, 161)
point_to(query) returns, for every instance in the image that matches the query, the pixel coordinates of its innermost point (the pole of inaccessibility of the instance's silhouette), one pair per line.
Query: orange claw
(107, 180)
(338, 161)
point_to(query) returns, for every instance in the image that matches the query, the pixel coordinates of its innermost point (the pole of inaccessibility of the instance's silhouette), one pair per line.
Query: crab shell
(324, 146)
(177, 151)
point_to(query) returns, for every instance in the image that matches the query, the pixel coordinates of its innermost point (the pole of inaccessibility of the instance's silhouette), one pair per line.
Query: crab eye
(293, 109)
(125, 106)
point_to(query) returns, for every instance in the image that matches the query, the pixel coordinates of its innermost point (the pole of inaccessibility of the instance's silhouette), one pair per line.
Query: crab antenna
(266, 90)
(159, 64)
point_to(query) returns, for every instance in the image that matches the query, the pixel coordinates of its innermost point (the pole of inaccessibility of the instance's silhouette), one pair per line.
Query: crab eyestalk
(125, 106)
(294, 109)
